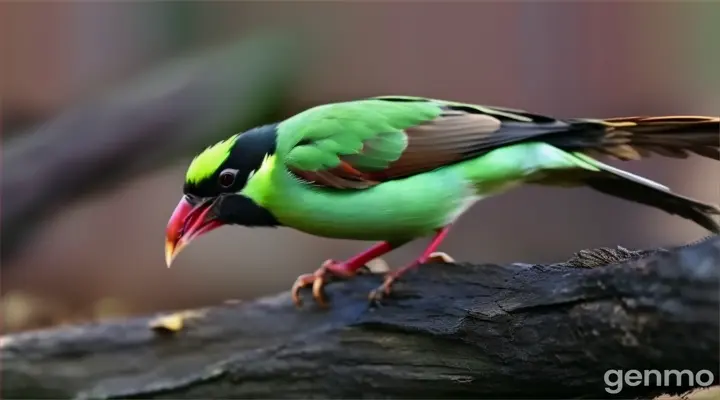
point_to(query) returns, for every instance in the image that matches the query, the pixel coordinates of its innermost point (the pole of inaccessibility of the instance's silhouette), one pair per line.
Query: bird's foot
(329, 269)
(385, 289)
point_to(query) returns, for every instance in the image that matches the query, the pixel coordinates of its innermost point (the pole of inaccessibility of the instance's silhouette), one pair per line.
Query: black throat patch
(240, 210)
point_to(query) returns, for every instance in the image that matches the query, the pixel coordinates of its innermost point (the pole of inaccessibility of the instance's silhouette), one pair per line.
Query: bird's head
(224, 185)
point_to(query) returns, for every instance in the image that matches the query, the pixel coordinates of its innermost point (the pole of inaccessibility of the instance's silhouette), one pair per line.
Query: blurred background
(104, 104)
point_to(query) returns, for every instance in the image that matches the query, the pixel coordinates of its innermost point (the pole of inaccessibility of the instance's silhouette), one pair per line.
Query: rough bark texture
(451, 331)
(144, 124)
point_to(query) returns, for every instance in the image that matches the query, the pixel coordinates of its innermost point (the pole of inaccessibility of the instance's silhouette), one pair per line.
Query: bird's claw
(384, 290)
(318, 279)
(305, 280)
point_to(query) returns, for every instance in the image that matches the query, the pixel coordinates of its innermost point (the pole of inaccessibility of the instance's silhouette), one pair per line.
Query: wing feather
(360, 144)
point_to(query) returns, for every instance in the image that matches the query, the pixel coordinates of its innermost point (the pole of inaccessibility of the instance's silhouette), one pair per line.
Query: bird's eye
(227, 178)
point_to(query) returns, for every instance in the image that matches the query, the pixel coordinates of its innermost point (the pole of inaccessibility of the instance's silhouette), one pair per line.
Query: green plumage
(406, 208)
(416, 165)
(340, 129)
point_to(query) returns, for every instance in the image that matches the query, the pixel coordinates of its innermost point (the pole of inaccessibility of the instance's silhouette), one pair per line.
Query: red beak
(186, 223)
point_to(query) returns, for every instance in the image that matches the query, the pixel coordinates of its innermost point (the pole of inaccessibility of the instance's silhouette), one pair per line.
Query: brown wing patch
(336, 178)
(443, 141)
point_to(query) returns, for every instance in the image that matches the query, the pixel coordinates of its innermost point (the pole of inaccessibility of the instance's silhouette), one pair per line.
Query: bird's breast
(398, 209)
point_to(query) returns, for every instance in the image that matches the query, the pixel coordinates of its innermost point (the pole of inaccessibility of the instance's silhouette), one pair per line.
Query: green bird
(395, 168)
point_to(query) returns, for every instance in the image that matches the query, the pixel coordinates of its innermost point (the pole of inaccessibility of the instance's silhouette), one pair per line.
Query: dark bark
(144, 124)
(451, 331)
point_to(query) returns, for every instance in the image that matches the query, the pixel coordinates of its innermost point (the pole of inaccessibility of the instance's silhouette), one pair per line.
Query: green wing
(361, 143)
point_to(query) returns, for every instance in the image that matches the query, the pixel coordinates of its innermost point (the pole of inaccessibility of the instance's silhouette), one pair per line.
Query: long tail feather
(625, 185)
(631, 138)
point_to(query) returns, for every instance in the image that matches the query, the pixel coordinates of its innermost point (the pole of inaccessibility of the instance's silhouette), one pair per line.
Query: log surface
(450, 331)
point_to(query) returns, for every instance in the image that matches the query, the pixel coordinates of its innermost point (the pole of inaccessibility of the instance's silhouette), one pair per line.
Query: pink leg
(344, 269)
(386, 287)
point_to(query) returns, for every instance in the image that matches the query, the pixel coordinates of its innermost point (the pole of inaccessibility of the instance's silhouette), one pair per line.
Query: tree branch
(149, 122)
(451, 331)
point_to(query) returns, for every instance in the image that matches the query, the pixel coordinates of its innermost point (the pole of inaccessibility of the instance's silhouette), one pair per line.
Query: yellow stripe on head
(206, 163)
